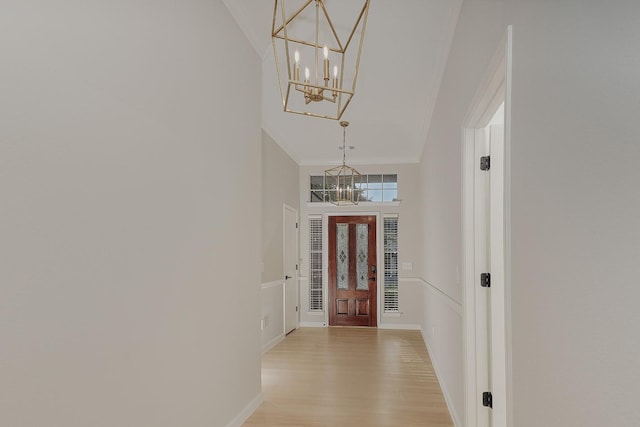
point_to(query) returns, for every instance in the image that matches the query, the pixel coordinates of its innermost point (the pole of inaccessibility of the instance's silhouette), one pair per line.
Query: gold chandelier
(320, 81)
(343, 182)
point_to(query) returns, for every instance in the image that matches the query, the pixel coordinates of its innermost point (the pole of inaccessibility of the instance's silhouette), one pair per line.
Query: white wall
(129, 178)
(280, 186)
(478, 32)
(576, 211)
(408, 242)
(575, 207)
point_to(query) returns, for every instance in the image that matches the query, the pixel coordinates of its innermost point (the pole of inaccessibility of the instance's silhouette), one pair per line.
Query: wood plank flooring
(350, 377)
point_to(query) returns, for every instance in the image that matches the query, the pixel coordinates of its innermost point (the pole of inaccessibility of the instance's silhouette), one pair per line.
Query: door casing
(495, 89)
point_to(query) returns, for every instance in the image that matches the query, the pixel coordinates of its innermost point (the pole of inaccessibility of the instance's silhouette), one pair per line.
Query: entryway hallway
(350, 377)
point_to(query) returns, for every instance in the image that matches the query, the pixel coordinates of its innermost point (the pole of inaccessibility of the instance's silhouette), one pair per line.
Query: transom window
(372, 188)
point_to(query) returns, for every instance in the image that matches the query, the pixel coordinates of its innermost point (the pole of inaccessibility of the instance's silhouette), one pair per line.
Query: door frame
(296, 277)
(325, 260)
(495, 89)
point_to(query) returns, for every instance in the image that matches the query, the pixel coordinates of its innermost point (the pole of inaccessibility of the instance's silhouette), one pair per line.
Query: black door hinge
(485, 163)
(487, 399)
(296, 225)
(485, 280)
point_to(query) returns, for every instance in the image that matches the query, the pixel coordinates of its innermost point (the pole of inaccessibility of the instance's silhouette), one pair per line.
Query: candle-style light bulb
(326, 65)
(296, 67)
(307, 73)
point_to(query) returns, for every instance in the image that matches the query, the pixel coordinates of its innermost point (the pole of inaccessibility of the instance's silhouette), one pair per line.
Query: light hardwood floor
(350, 377)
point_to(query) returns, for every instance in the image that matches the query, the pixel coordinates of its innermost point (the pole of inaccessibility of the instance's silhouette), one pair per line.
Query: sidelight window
(390, 230)
(315, 263)
(390, 264)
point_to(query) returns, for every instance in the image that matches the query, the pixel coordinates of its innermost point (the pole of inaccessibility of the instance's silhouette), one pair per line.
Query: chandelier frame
(316, 87)
(342, 182)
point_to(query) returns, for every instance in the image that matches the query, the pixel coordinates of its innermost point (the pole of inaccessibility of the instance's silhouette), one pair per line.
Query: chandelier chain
(344, 147)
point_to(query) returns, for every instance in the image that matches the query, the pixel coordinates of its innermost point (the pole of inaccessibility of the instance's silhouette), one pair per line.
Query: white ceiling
(404, 54)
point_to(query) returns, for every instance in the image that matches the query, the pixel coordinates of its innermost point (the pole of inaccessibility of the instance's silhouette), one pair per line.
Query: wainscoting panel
(272, 320)
(441, 327)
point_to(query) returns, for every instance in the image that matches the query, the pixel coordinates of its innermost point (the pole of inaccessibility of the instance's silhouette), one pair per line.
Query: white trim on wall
(451, 302)
(268, 346)
(468, 263)
(313, 325)
(405, 327)
(507, 224)
(247, 411)
(494, 90)
(366, 204)
(437, 370)
(273, 284)
(280, 336)
(438, 367)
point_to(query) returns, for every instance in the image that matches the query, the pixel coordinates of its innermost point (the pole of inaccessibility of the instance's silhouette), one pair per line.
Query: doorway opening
(486, 237)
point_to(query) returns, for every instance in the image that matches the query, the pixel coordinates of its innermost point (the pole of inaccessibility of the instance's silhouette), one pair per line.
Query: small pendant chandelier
(316, 75)
(343, 182)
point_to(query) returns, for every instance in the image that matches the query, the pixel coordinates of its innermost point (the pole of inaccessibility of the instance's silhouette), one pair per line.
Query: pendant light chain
(344, 141)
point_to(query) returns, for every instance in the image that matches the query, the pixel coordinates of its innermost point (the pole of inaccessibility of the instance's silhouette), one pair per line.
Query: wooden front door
(352, 271)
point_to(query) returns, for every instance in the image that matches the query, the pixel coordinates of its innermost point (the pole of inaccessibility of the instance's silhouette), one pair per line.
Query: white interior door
(290, 257)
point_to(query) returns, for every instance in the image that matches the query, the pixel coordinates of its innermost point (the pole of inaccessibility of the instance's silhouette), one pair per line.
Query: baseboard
(246, 412)
(312, 325)
(399, 326)
(380, 326)
(268, 346)
(445, 392)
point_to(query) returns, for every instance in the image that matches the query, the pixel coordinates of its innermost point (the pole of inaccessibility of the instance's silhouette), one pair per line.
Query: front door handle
(373, 279)
(287, 277)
